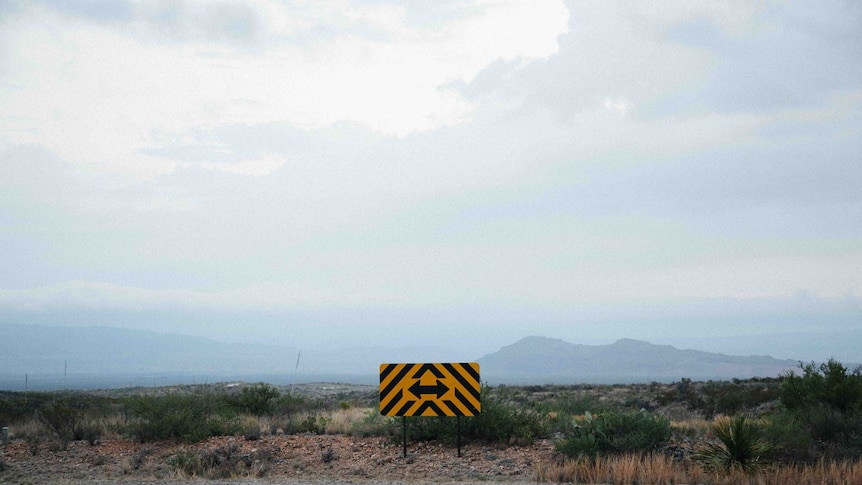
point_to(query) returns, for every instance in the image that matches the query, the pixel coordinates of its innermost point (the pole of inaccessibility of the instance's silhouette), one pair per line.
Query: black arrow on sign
(438, 389)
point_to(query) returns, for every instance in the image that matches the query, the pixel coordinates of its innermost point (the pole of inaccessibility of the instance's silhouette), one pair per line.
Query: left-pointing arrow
(438, 389)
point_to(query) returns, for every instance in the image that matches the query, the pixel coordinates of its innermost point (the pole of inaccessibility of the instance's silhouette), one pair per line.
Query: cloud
(255, 168)
(93, 94)
(785, 57)
(450, 163)
(688, 60)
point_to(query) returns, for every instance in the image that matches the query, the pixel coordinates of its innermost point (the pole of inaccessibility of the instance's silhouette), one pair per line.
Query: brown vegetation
(758, 431)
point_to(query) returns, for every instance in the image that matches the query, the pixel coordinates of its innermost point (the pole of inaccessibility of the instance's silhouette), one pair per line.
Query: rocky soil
(272, 459)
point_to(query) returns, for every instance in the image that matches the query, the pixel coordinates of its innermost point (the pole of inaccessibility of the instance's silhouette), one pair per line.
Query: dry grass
(115, 426)
(339, 421)
(656, 468)
(31, 429)
(693, 428)
(342, 421)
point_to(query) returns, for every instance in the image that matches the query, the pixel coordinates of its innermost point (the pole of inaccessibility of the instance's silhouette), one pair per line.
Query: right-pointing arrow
(438, 389)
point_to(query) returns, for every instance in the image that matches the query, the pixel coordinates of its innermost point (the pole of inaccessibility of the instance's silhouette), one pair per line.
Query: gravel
(283, 459)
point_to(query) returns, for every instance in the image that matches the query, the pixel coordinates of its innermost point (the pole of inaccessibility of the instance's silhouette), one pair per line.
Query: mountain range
(87, 357)
(546, 360)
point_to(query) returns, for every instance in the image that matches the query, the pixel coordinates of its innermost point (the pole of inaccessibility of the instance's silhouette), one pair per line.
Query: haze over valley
(229, 186)
(101, 357)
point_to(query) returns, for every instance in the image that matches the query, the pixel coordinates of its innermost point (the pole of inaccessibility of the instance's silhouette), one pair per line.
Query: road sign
(429, 389)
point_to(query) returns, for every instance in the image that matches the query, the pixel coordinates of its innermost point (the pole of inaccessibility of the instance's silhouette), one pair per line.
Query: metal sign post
(450, 389)
(404, 434)
(459, 436)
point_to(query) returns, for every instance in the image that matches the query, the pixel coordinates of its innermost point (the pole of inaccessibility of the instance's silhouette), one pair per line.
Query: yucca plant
(740, 446)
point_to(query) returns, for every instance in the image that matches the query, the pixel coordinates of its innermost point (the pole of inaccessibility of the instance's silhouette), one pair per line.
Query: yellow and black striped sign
(429, 389)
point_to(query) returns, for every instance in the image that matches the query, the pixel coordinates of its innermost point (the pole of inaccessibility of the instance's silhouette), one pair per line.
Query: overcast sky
(450, 173)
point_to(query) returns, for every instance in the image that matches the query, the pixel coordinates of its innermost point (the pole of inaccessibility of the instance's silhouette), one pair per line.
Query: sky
(462, 174)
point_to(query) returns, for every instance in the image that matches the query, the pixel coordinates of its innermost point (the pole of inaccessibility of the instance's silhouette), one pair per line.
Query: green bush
(792, 442)
(829, 385)
(616, 433)
(225, 461)
(502, 422)
(825, 403)
(189, 418)
(88, 430)
(310, 423)
(741, 446)
(499, 421)
(288, 404)
(257, 399)
(61, 419)
(12, 408)
(576, 406)
(375, 424)
(730, 398)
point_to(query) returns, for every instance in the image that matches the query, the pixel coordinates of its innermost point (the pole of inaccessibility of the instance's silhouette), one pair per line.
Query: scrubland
(803, 427)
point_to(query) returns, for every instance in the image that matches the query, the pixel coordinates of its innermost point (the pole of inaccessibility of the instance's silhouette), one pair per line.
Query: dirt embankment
(274, 459)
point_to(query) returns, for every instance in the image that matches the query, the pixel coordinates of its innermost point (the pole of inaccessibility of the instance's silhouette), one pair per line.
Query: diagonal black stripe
(386, 370)
(426, 405)
(453, 409)
(470, 370)
(426, 367)
(468, 386)
(467, 403)
(405, 408)
(395, 382)
(392, 403)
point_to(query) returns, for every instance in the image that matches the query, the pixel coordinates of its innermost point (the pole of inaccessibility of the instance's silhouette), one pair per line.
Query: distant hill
(88, 357)
(92, 357)
(541, 360)
(42, 349)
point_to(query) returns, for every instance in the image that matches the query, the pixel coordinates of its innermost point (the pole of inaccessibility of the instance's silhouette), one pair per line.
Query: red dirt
(275, 458)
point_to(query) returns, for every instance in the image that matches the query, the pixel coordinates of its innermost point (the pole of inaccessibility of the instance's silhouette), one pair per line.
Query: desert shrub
(88, 430)
(502, 422)
(730, 401)
(616, 433)
(66, 416)
(186, 461)
(830, 385)
(569, 405)
(825, 403)
(685, 391)
(189, 418)
(61, 419)
(306, 422)
(12, 409)
(499, 421)
(328, 455)
(375, 424)
(741, 446)
(792, 443)
(225, 461)
(258, 399)
(18, 406)
(251, 432)
(568, 411)
(288, 404)
(428, 428)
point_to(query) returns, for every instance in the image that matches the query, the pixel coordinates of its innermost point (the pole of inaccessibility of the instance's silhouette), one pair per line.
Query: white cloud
(255, 168)
(426, 155)
(616, 105)
(94, 94)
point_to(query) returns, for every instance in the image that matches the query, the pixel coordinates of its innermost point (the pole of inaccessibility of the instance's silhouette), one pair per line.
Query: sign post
(449, 389)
